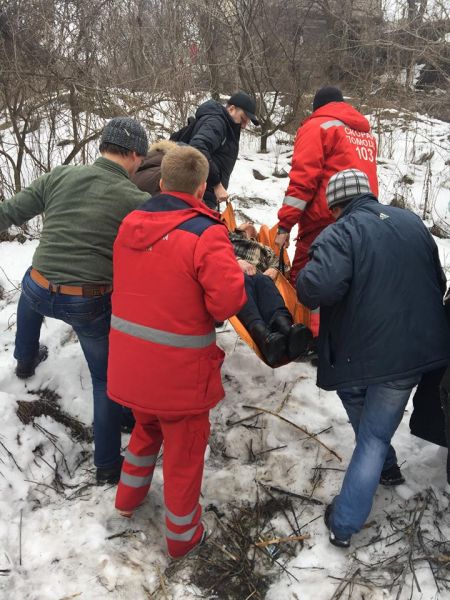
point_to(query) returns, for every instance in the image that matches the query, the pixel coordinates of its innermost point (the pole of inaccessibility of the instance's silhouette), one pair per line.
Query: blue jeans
(90, 319)
(375, 413)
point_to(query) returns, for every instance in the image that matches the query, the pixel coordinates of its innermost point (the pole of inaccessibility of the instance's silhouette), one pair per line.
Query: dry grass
(231, 566)
(47, 405)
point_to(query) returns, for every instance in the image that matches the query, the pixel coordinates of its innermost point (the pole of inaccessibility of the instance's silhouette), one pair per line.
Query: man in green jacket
(71, 274)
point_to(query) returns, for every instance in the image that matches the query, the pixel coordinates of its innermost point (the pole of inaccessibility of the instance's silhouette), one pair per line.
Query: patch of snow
(58, 542)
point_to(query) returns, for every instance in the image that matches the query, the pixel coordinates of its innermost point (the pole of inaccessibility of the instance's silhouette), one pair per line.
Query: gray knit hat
(126, 133)
(346, 185)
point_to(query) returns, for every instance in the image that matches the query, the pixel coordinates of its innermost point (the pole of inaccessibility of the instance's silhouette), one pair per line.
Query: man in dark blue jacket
(376, 276)
(216, 134)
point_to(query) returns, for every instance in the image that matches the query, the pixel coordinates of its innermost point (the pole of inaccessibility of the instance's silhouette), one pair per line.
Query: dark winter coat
(148, 176)
(216, 135)
(376, 276)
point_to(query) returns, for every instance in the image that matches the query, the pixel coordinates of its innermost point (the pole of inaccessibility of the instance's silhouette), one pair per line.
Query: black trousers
(430, 419)
(445, 402)
(264, 301)
(427, 419)
(209, 198)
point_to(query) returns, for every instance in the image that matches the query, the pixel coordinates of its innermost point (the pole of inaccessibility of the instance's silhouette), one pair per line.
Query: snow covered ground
(58, 538)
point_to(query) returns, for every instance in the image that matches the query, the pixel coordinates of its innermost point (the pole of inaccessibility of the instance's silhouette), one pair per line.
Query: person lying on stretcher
(265, 315)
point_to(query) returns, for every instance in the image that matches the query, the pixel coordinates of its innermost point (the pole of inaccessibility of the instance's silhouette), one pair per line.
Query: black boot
(273, 345)
(26, 368)
(299, 336)
(299, 341)
(282, 323)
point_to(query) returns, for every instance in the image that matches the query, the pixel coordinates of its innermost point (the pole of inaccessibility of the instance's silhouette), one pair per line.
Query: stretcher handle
(281, 265)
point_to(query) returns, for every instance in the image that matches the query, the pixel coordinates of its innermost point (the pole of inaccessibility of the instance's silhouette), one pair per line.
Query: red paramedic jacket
(174, 275)
(335, 137)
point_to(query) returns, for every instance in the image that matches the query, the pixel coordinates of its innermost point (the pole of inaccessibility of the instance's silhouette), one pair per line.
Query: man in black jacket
(376, 276)
(216, 134)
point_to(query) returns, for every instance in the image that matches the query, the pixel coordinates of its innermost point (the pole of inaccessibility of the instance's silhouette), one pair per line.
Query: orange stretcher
(300, 314)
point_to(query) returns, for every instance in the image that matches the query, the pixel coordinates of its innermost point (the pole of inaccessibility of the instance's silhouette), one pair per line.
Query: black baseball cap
(247, 103)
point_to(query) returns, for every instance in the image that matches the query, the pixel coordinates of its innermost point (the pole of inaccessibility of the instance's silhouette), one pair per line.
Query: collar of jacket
(110, 165)
(152, 160)
(341, 111)
(195, 203)
(235, 127)
(357, 202)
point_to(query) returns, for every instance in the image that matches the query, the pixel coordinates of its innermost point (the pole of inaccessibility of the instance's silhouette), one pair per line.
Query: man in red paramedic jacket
(334, 138)
(174, 275)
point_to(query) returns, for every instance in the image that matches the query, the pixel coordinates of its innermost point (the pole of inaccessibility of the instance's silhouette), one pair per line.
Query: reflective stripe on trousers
(143, 462)
(138, 465)
(175, 521)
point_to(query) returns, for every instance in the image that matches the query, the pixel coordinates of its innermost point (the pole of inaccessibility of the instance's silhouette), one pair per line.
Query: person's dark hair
(113, 149)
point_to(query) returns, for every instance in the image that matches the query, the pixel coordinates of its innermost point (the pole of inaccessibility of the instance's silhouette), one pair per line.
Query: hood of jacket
(142, 228)
(211, 107)
(156, 154)
(342, 112)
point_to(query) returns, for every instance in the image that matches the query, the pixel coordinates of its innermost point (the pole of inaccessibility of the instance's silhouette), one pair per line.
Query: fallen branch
(229, 423)
(273, 488)
(312, 436)
(124, 533)
(271, 450)
(411, 536)
(291, 538)
(328, 469)
(11, 456)
(344, 585)
(162, 582)
(20, 538)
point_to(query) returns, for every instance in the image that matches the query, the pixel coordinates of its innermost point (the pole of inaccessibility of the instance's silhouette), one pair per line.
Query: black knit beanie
(327, 94)
(126, 133)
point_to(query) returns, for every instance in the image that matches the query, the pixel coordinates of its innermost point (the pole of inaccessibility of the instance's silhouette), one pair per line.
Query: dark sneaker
(392, 476)
(111, 475)
(336, 541)
(26, 368)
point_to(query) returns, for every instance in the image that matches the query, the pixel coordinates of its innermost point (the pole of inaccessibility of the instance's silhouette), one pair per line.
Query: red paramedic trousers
(185, 439)
(301, 258)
